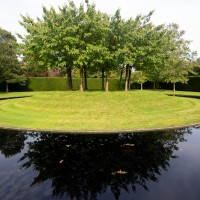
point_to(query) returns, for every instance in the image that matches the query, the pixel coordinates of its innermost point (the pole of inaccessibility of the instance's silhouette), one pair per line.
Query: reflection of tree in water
(83, 166)
(11, 142)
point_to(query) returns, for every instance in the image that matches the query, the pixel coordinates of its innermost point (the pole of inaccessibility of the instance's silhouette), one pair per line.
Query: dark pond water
(187, 96)
(144, 166)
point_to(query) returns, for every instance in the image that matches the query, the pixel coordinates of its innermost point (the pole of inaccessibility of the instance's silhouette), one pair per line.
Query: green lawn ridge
(63, 110)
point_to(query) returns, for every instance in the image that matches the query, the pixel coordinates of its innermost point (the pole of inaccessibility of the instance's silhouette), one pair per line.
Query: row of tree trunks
(83, 80)
(83, 74)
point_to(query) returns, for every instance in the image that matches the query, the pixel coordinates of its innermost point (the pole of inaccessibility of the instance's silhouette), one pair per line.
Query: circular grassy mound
(97, 110)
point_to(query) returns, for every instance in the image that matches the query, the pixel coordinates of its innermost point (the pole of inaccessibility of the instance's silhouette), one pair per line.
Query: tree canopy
(10, 70)
(91, 41)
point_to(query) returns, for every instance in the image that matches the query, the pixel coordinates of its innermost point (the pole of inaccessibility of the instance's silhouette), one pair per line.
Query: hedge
(192, 85)
(58, 84)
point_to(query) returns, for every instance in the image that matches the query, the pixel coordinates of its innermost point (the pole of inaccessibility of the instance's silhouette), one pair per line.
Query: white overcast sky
(186, 13)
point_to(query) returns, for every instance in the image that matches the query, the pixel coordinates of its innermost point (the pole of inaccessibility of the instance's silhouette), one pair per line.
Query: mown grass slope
(98, 110)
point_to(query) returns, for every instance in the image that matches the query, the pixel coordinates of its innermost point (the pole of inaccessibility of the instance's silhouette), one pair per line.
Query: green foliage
(10, 70)
(179, 64)
(196, 65)
(139, 77)
(91, 41)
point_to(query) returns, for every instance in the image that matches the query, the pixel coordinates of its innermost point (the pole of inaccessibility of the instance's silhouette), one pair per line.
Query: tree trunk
(141, 86)
(85, 77)
(120, 80)
(129, 78)
(174, 87)
(107, 75)
(126, 78)
(7, 89)
(154, 85)
(102, 83)
(69, 77)
(81, 79)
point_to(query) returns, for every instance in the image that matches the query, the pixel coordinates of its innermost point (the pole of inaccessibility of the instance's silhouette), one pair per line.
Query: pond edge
(100, 131)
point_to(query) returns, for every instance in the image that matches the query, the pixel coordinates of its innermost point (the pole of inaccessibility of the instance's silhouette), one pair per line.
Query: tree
(66, 38)
(177, 72)
(89, 41)
(91, 36)
(100, 52)
(132, 44)
(196, 64)
(180, 58)
(155, 53)
(10, 70)
(51, 41)
(140, 78)
(12, 142)
(166, 55)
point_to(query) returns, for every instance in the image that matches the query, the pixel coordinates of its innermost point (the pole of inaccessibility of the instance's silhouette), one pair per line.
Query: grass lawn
(98, 110)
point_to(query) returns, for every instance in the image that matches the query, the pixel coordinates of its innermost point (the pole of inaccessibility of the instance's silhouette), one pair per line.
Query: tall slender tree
(180, 58)
(140, 78)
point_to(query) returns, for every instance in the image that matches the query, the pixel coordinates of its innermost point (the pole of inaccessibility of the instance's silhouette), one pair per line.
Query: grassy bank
(98, 110)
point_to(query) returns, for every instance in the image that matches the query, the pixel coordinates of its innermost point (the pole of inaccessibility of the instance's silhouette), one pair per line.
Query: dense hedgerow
(59, 84)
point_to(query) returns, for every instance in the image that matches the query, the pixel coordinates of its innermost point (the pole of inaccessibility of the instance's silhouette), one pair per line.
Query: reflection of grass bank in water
(98, 110)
